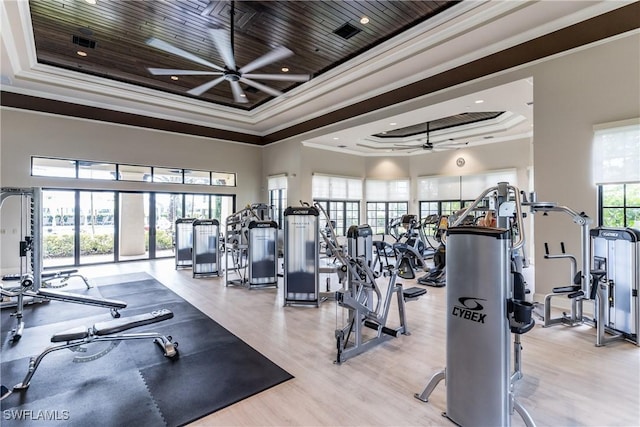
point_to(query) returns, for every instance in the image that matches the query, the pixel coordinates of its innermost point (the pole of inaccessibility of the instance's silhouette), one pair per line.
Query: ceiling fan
(230, 72)
(426, 146)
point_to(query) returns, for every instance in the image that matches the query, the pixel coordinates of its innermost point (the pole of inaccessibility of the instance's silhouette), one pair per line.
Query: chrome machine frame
(481, 313)
(30, 289)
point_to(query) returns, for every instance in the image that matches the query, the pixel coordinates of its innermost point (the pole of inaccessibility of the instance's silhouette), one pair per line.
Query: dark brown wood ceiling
(120, 29)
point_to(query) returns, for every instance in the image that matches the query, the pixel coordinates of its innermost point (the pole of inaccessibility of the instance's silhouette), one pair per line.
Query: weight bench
(41, 295)
(105, 331)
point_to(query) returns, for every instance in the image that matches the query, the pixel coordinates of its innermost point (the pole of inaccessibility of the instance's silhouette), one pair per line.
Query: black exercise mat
(135, 384)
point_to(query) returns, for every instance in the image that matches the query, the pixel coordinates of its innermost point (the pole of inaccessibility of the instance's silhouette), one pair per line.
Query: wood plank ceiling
(114, 35)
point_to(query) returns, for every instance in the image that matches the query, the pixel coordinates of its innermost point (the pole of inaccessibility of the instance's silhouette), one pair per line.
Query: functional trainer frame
(30, 289)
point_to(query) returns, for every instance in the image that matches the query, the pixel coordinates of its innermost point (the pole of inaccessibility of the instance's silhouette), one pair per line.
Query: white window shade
(277, 182)
(387, 191)
(474, 185)
(439, 188)
(616, 154)
(336, 188)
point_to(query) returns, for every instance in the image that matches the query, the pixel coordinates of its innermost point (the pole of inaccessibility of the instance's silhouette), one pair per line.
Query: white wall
(25, 134)
(572, 92)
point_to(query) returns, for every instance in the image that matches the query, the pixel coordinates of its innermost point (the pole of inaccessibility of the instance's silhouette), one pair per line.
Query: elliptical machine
(436, 276)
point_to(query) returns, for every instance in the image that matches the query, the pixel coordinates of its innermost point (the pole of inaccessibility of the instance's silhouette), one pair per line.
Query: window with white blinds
(471, 186)
(439, 188)
(616, 152)
(329, 187)
(277, 182)
(392, 191)
(466, 187)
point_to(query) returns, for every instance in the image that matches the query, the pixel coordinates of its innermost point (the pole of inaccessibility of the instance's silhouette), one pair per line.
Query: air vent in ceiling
(347, 31)
(81, 41)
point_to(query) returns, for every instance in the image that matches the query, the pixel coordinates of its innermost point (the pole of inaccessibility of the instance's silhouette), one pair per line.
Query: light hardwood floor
(567, 380)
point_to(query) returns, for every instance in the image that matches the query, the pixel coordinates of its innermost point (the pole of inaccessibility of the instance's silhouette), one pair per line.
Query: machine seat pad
(79, 298)
(78, 333)
(413, 292)
(119, 325)
(563, 289)
(517, 328)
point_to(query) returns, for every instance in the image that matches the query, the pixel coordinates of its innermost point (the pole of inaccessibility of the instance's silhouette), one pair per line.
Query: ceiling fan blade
(174, 72)
(280, 77)
(261, 87)
(205, 87)
(162, 45)
(223, 44)
(238, 94)
(276, 54)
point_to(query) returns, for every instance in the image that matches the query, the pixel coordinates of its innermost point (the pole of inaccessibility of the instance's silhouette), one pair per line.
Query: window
(58, 168)
(379, 214)
(343, 213)
(340, 197)
(96, 170)
(616, 172)
(444, 195)
(134, 173)
(386, 200)
(197, 177)
(167, 175)
(87, 169)
(86, 227)
(619, 205)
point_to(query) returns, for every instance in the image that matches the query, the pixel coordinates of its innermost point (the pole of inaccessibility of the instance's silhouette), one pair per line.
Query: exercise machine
(575, 317)
(482, 310)
(250, 246)
(436, 276)
(301, 256)
(78, 338)
(30, 288)
(206, 247)
(579, 289)
(367, 305)
(616, 252)
(184, 242)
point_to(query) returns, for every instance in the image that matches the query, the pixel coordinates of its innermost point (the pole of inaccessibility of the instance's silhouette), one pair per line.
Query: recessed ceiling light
(174, 77)
(81, 53)
(479, 101)
(364, 20)
(336, 138)
(242, 95)
(91, 1)
(285, 70)
(392, 124)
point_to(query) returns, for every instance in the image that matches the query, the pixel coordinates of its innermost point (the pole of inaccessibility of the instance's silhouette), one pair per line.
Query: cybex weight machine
(481, 314)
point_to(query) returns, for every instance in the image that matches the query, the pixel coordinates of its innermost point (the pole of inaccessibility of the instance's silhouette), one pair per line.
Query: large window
(619, 205)
(444, 195)
(616, 171)
(340, 197)
(86, 227)
(87, 169)
(386, 200)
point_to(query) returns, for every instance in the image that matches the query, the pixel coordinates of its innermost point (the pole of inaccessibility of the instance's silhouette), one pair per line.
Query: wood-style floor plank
(567, 380)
